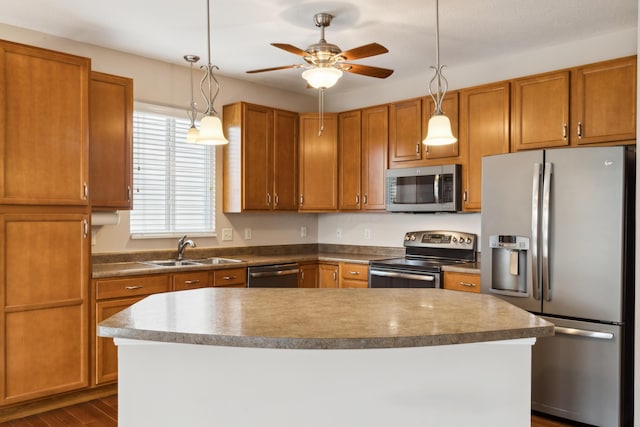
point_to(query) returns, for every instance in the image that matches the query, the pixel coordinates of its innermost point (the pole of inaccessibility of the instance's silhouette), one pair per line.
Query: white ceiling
(242, 29)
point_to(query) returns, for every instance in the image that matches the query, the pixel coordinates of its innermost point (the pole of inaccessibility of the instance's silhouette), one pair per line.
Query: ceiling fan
(325, 62)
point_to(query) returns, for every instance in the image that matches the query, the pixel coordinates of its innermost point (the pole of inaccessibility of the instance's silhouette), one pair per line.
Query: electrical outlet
(367, 234)
(227, 234)
(339, 233)
(303, 231)
(247, 233)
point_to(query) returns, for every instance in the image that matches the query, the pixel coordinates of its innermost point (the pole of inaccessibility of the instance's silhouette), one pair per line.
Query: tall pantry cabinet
(44, 222)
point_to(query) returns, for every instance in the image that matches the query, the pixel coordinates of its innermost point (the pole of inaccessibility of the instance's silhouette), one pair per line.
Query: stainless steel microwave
(423, 189)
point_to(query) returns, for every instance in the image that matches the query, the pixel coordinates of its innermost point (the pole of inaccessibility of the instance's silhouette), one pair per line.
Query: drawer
(229, 277)
(354, 272)
(466, 282)
(183, 281)
(131, 286)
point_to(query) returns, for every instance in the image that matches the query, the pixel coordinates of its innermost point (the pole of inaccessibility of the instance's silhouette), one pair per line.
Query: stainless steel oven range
(425, 254)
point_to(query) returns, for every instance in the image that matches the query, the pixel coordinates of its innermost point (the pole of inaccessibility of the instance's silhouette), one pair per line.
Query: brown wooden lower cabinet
(466, 282)
(354, 275)
(308, 277)
(328, 275)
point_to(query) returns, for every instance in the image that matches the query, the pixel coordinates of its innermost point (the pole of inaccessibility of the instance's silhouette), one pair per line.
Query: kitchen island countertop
(323, 318)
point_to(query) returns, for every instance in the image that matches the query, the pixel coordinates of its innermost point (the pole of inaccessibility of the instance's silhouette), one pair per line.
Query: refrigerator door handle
(535, 208)
(546, 193)
(584, 333)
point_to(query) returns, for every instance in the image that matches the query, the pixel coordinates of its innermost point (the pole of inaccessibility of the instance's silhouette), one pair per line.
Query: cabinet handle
(354, 272)
(86, 228)
(268, 199)
(301, 200)
(579, 130)
(564, 131)
(134, 287)
(418, 148)
(468, 285)
(128, 193)
(192, 282)
(275, 199)
(335, 276)
(357, 199)
(364, 200)
(86, 190)
(464, 195)
(230, 277)
(302, 275)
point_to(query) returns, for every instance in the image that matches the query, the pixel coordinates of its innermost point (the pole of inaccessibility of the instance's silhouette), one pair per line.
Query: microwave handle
(436, 188)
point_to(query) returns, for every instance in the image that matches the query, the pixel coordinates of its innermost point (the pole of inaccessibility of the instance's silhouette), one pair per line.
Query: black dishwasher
(273, 276)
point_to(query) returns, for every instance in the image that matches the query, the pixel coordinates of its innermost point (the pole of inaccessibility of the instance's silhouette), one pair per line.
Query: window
(174, 182)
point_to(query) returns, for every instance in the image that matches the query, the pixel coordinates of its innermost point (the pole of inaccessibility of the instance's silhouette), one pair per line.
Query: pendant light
(210, 132)
(439, 128)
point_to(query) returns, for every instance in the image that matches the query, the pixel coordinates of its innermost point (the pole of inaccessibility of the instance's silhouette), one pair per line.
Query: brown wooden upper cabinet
(450, 109)
(44, 119)
(540, 111)
(484, 130)
(260, 161)
(362, 143)
(110, 141)
(603, 102)
(405, 131)
(318, 172)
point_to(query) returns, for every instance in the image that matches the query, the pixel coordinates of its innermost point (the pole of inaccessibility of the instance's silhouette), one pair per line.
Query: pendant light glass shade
(210, 132)
(322, 77)
(192, 134)
(439, 131)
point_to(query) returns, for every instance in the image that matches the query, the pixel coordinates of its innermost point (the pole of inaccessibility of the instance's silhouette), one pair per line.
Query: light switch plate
(247, 233)
(227, 234)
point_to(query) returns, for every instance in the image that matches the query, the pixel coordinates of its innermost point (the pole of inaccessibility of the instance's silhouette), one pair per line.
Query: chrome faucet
(182, 244)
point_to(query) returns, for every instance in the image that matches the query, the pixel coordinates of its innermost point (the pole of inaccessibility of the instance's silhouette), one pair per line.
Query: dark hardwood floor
(104, 413)
(96, 413)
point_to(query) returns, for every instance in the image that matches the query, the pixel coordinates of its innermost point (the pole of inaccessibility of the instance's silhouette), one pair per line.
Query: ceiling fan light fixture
(439, 132)
(322, 77)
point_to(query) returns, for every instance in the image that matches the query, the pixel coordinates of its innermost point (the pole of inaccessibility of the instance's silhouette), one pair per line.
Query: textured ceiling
(242, 29)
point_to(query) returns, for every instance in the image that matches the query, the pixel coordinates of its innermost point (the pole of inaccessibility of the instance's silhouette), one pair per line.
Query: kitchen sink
(218, 260)
(173, 263)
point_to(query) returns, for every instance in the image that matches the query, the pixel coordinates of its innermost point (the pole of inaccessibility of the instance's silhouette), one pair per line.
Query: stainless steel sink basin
(173, 263)
(218, 260)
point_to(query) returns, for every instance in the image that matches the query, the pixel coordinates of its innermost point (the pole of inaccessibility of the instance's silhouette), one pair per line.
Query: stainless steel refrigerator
(558, 239)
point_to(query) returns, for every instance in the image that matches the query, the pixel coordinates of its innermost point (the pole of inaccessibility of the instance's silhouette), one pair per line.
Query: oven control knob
(469, 240)
(461, 239)
(413, 237)
(407, 237)
(454, 240)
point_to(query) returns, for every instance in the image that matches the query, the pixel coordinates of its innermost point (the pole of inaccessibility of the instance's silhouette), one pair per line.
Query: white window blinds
(174, 182)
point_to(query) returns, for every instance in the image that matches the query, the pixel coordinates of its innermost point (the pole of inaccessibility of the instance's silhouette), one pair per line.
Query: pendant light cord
(208, 76)
(438, 78)
(321, 109)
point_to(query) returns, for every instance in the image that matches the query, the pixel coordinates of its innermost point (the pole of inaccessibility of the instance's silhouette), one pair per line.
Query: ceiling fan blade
(365, 51)
(366, 70)
(284, 67)
(290, 48)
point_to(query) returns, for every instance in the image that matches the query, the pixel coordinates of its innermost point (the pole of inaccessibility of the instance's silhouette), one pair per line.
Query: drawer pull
(134, 287)
(191, 282)
(468, 285)
(354, 272)
(230, 277)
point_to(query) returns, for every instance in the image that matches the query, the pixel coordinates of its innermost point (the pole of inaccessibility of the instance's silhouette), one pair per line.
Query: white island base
(477, 384)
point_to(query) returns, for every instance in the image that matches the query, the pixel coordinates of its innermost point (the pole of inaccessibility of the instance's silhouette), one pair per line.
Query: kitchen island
(318, 357)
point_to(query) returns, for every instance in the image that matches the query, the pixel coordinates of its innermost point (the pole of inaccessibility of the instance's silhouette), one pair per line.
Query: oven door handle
(402, 275)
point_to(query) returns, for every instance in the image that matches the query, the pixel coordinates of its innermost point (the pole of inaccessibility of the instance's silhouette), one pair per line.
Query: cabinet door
(354, 275)
(349, 125)
(540, 111)
(484, 130)
(106, 352)
(450, 108)
(44, 150)
(328, 276)
(44, 282)
(375, 144)
(318, 163)
(405, 131)
(604, 102)
(285, 161)
(257, 157)
(110, 141)
(308, 276)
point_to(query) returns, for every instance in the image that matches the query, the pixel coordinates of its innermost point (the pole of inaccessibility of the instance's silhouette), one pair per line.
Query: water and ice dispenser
(509, 264)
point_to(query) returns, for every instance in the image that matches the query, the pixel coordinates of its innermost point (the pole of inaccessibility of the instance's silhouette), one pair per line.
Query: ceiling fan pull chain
(321, 110)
